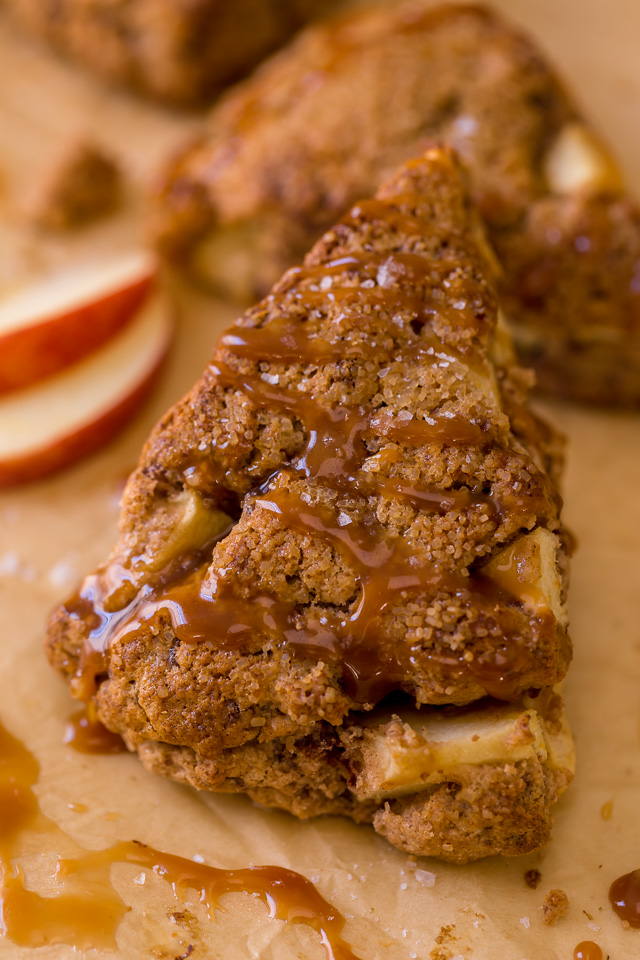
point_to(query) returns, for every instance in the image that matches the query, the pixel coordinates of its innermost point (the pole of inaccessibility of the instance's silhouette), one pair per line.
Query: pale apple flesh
(55, 322)
(51, 425)
(412, 751)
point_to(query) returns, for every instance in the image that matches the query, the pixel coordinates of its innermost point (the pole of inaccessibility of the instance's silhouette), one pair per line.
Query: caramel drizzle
(373, 662)
(346, 427)
(288, 341)
(89, 920)
(377, 276)
(335, 452)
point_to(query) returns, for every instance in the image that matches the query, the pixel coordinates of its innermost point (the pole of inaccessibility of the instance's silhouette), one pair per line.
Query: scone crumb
(554, 907)
(81, 185)
(532, 878)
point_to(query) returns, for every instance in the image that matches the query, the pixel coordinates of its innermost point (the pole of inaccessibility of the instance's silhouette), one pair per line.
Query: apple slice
(50, 425)
(55, 321)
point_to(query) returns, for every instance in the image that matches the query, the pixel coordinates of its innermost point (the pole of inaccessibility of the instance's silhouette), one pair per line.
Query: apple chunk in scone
(340, 577)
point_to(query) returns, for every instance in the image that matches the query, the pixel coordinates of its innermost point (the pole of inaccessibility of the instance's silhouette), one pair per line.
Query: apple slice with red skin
(50, 425)
(60, 318)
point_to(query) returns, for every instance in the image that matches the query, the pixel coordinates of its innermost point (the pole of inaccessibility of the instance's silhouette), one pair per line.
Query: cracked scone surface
(327, 120)
(352, 502)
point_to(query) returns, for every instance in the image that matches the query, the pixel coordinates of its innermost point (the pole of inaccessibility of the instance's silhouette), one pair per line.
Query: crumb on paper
(183, 918)
(444, 950)
(532, 878)
(554, 906)
(81, 185)
(446, 934)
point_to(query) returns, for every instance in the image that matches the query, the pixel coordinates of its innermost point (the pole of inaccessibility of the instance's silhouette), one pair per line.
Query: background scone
(351, 503)
(176, 51)
(326, 121)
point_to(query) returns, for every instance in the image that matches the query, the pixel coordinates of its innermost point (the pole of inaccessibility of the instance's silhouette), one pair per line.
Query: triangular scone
(327, 120)
(366, 512)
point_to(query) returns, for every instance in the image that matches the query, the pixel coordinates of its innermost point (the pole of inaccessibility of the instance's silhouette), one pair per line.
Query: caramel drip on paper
(624, 895)
(85, 911)
(85, 733)
(587, 950)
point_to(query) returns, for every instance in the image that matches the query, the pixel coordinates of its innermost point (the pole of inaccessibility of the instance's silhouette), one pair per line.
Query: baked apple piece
(346, 531)
(324, 124)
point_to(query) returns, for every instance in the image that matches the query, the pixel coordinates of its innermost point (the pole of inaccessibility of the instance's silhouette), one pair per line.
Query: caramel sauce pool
(86, 910)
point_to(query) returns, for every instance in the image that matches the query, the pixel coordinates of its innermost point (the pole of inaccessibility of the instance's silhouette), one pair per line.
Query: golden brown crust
(177, 51)
(326, 121)
(370, 443)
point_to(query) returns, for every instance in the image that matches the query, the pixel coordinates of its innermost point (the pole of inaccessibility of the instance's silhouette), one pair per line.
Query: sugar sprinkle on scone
(327, 120)
(352, 504)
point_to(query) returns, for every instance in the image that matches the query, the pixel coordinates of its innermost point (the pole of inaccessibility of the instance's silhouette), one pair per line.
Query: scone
(324, 122)
(177, 51)
(339, 584)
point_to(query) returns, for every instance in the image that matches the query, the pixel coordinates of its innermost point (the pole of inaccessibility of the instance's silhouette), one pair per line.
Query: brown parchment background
(53, 532)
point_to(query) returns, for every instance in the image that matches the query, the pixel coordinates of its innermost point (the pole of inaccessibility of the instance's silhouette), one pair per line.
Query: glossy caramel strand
(287, 340)
(348, 426)
(387, 574)
(624, 896)
(88, 916)
(288, 895)
(92, 604)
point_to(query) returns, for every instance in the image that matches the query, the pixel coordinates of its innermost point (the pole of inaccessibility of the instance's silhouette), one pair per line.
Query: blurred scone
(352, 504)
(326, 121)
(178, 51)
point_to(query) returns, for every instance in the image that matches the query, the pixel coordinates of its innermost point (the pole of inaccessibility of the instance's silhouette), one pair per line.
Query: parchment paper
(53, 532)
